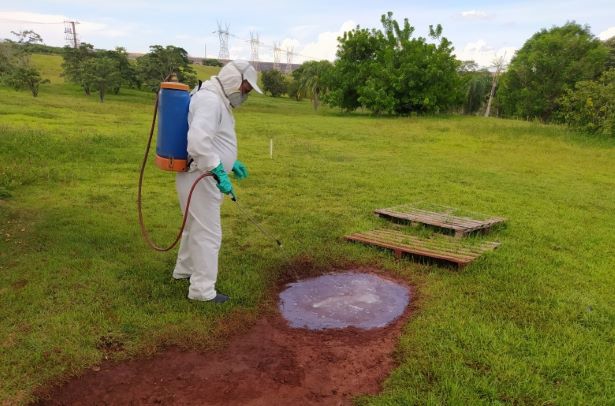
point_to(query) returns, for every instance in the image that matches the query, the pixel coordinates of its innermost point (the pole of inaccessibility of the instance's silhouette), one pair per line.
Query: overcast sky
(479, 30)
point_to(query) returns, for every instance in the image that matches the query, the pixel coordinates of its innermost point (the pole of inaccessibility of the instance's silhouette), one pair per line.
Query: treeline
(103, 71)
(96, 71)
(563, 75)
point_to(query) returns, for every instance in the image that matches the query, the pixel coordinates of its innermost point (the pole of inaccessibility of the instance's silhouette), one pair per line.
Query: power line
(264, 45)
(11, 20)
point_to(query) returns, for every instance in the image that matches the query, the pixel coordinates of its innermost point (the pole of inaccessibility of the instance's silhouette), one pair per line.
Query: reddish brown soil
(270, 364)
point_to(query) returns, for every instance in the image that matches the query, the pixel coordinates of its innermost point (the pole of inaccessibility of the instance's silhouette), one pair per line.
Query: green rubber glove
(224, 183)
(240, 170)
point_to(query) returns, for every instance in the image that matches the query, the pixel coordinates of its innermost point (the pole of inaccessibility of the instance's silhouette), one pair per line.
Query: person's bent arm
(203, 125)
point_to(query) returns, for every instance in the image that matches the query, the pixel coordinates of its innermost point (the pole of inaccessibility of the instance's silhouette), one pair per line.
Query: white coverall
(211, 140)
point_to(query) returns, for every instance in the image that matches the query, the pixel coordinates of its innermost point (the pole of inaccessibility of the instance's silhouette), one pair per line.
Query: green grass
(533, 322)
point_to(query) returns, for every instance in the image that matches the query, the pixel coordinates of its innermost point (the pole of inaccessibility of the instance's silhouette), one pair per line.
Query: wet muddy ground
(270, 363)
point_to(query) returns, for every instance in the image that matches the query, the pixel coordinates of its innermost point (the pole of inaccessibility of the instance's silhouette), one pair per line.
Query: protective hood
(230, 77)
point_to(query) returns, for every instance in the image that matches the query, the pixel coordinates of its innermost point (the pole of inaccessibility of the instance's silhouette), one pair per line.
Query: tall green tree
(25, 77)
(390, 71)
(313, 78)
(476, 87)
(356, 60)
(274, 82)
(155, 66)
(6, 57)
(128, 71)
(75, 59)
(102, 74)
(610, 45)
(548, 64)
(590, 106)
(16, 69)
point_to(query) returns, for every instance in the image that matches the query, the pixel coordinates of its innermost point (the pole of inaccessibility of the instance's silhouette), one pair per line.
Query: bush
(590, 106)
(274, 82)
(212, 62)
(389, 71)
(548, 64)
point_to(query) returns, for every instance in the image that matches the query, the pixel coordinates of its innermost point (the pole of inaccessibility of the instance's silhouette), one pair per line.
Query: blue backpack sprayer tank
(172, 105)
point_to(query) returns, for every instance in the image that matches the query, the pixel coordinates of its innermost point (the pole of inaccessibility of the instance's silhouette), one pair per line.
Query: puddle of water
(343, 300)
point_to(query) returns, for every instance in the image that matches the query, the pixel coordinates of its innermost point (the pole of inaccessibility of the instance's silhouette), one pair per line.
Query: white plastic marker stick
(271, 148)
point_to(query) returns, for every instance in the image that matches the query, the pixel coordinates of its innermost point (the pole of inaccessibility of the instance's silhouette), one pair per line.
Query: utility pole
(254, 45)
(70, 33)
(499, 65)
(223, 37)
(289, 59)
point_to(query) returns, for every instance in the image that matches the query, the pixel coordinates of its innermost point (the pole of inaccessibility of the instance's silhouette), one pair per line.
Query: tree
(274, 83)
(160, 62)
(499, 65)
(474, 85)
(591, 105)
(128, 72)
(27, 37)
(388, 71)
(610, 61)
(16, 69)
(102, 73)
(312, 80)
(548, 64)
(293, 91)
(6, 57)
(356, 52)
(25, 77)
(74, 61)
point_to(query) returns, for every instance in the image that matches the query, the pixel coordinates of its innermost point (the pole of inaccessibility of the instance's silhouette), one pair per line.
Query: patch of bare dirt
(267, 364)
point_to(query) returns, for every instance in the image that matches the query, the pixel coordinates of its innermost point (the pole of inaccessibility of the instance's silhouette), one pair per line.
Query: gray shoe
(220, 298)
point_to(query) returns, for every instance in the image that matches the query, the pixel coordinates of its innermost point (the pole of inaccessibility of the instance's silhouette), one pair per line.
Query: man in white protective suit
(212, 146)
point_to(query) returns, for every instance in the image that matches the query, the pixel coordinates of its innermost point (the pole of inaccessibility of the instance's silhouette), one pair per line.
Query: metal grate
(441, 248)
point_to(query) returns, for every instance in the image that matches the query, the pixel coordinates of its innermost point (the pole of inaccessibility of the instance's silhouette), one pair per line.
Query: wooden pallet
(461, 226)
(442, 248)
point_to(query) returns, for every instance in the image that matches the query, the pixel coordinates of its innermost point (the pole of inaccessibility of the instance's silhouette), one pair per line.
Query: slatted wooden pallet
(442, 248)
(461, 226)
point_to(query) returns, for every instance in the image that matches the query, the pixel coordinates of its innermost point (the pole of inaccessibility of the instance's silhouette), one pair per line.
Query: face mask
(237, 98)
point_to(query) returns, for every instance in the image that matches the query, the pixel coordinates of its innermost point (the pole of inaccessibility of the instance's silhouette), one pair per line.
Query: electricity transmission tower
(276, 55)
(223, 36)
(70, 33)
(289, 59)
(254, 45)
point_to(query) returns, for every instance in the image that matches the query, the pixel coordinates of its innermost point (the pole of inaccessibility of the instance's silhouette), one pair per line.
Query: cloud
(326, 45)
(484, 54)
(606, 34)
(475, 15)
(49, 26)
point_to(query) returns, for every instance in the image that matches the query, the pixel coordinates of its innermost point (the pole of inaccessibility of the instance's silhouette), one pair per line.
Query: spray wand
(260, 228)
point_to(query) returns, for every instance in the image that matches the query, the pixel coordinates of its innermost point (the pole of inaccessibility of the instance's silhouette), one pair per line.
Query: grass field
(531, 323)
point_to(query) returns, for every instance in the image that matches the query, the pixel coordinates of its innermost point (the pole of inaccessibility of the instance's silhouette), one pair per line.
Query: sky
(479, 30)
